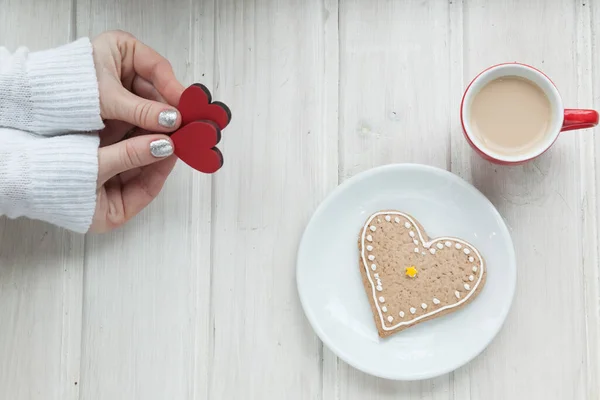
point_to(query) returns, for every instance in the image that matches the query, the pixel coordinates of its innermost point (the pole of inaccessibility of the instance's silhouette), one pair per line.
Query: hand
(138, 92)
(131, 173)
(137, 85)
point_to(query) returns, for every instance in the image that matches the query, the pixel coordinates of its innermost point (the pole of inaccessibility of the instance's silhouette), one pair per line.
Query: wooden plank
(147, 286)
(395, 104)
(277, 73)
(541, 350)
(41, 267)
(461, 378)
(588, 95)
(203, 70)
(330, 362)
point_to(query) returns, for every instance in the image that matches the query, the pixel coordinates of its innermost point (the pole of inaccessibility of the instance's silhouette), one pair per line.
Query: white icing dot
(423, 253)
(378, 282)
(406, 225)
(373, 267)
(384, 309)
(376, 275)
(397, 220)
(388, 218)
(369, 248)
(373, 228)
(424, 306)
(467, 251)
(471, 259)
(369, 238)
(432, 251)
(413, 310)
(440, 246)
(457, 294)
(390, 318)
(401, 314)
(416, 249)
(381, 299)
(467, 286)
(436, 301)
(379, 288)
(471, 278)
(474, 269)
(411, 234)
(458, 246)
(371, 257)
(415, 241)
(448, 244)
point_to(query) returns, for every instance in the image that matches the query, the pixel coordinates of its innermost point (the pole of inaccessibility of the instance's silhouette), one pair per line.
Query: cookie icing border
(425, 245)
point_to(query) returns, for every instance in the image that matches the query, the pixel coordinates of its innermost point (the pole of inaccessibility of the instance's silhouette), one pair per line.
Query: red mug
(562, 119)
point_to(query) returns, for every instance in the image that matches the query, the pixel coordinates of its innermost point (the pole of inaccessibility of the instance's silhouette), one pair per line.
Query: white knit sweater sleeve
(52, 179)
(46, 174)
(51, 91)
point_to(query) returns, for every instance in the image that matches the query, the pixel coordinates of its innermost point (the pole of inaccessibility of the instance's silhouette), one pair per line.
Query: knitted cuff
(64, 89)
(52, 179)
(64, 172)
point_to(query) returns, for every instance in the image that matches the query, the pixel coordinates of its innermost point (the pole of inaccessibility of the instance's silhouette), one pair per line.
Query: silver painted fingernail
(167, 118)
(161, 148)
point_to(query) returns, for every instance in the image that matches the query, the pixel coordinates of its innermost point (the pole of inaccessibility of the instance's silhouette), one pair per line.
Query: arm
(50, 91)
(67, 180)
(53, 179)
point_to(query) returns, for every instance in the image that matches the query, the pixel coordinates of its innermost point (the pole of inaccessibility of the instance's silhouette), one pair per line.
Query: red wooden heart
(196, 104)
(195, 145)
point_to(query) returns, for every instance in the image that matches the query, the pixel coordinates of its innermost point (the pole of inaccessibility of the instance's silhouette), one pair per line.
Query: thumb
(136, 152)
(147, 114)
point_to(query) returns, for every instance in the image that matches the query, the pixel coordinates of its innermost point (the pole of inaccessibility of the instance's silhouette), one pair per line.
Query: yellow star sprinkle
(411, 271)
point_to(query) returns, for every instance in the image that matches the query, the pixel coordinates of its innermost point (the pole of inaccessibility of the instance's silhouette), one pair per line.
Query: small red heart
(196, 104)
(195, 145)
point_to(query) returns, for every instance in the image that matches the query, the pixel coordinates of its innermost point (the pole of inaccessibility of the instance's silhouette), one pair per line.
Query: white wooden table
(196, 298)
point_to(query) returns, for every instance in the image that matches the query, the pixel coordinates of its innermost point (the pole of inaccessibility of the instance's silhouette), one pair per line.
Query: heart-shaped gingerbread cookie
(410, 278)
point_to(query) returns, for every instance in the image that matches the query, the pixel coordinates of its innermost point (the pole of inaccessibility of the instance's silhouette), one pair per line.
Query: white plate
(333, 296)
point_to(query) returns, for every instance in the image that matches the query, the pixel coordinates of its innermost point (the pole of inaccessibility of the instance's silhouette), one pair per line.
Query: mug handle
(579, 119)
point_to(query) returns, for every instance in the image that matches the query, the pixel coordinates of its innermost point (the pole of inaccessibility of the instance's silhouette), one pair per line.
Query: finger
(113, 132)
(147, 114)
(138, 192)
(136, 152)
(156, 69)
(129, 175)
(135, 131)
(138, 132)
(145, 89)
